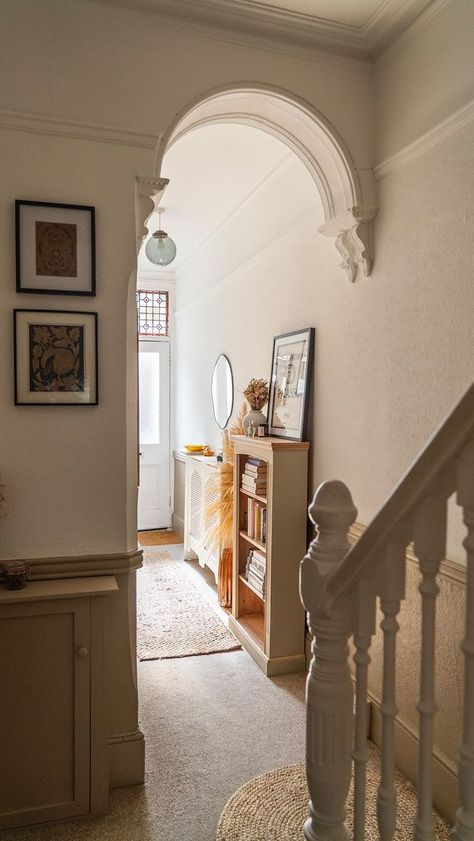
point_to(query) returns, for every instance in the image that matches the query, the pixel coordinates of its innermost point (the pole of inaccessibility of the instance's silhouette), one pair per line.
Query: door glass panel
(149, 379)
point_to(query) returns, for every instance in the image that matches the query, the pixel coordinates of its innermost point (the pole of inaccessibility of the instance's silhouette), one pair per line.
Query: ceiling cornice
(255, 19)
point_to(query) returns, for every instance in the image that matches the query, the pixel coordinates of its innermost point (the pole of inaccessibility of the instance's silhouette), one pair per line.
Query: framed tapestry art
(55, 248)
(55, 358)
(290, 380)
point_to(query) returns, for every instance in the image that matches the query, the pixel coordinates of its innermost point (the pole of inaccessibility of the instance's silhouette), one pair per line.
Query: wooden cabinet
(53, 758)
(271, 627)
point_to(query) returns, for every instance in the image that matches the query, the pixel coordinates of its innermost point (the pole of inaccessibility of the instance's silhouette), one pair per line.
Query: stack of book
(255, 571)
(256, 520)
(254, 477)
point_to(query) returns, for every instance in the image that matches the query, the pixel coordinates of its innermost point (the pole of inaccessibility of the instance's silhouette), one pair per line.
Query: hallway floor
(211, 723)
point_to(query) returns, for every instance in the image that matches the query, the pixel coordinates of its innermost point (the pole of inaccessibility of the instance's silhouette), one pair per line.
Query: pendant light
(160, 248)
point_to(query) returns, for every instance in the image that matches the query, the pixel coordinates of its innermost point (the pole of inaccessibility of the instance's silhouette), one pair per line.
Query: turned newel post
(329, 692)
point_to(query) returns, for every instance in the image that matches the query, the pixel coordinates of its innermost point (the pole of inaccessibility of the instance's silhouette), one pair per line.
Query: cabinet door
(44, 711)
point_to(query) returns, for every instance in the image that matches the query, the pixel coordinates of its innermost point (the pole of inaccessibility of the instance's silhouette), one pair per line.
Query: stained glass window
(152, 309)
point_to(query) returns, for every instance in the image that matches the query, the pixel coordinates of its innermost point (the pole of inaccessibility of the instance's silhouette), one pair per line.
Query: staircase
(340, 586)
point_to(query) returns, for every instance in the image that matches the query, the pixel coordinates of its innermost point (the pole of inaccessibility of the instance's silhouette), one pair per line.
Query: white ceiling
(354, 28)
(213, 171)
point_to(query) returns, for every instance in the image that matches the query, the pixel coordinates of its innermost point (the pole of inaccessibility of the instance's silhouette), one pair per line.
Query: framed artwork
(55, 248)
(290, 381)
(55, 358)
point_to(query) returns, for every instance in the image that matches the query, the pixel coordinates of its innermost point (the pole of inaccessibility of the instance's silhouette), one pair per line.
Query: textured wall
(425, 77)
(70, 486)
(449, 660)
(394, 351)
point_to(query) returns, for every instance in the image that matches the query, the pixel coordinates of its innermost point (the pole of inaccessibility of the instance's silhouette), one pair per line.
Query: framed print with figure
(290, 381)
(55, 358)
(55, 248)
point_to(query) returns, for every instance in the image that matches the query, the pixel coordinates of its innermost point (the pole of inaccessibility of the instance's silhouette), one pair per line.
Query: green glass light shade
(160, 249)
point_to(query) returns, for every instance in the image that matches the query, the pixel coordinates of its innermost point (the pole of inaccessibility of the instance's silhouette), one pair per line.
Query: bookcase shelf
(271, 628)
(248, 584)
(253, 496)
(260, 546)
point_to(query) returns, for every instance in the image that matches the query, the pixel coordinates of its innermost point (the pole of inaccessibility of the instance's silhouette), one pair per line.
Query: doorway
(154, 497)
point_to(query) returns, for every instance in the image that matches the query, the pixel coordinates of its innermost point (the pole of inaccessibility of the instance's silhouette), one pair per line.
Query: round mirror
(222, 389)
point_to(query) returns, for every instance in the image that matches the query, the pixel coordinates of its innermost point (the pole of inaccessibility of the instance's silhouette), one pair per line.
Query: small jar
(16, 574)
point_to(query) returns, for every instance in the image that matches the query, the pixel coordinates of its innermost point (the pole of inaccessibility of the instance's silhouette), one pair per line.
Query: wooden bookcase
(271, 628)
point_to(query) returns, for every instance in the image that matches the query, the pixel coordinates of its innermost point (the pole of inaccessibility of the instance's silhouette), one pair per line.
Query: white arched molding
(348, 194)
(148, 193)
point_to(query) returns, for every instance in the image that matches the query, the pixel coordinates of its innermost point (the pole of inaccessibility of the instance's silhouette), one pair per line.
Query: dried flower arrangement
(257, 393)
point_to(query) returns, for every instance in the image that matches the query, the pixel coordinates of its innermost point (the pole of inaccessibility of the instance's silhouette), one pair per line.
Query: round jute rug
(274, 807)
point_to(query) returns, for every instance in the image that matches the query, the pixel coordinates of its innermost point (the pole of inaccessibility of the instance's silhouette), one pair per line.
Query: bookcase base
(269, 665)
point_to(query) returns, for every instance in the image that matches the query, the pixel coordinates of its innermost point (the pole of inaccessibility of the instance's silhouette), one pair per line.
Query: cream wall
(75, 67)
(394, 351)
(425, 77)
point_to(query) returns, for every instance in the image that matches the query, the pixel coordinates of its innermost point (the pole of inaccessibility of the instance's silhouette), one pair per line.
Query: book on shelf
(257, 561)
(250, 483)
(254, 477)
(257, 576)
(253, 470)
(254, 574)
(259, 587)
(256, 520)
(256, 462)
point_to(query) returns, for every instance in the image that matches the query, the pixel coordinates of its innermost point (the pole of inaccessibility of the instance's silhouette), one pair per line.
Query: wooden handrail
(415, 484)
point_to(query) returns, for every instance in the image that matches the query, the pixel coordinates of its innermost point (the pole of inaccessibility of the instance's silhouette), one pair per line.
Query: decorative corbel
(353, 233)
(148, 193)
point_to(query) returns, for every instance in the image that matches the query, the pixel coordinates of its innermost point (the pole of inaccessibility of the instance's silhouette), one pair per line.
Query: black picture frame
(58, 237)
(293, 423)
(45, 336)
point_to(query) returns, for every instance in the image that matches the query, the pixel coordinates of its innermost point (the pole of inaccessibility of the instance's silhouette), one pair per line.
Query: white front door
(154, 502)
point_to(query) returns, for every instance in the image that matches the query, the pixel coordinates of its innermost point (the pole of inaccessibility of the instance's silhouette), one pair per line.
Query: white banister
(430, 547)
(339, 586)
(392, 592)
(329, 693)
(364, 628)
(464, 828)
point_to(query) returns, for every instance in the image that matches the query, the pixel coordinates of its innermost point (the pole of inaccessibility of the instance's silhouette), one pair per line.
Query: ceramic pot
(253, 418)
(224, 578)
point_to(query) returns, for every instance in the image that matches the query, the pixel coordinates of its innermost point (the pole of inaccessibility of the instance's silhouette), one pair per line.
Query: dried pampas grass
(220, 536)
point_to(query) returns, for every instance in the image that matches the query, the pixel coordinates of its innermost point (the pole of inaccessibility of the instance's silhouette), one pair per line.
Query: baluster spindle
(464, 828)
(392, 593)
(364, 628)
(430, 547)
(329, 692)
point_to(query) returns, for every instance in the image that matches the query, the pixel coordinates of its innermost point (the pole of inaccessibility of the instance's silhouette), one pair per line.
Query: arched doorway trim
(347, 194)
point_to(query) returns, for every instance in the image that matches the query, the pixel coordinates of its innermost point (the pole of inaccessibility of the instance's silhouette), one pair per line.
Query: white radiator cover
(201, 489)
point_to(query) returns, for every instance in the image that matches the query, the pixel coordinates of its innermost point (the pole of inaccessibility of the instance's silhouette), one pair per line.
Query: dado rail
(339, 586)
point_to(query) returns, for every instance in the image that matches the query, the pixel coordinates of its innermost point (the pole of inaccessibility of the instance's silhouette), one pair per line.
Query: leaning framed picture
(55, 248)
(55, 354)
(290, 380)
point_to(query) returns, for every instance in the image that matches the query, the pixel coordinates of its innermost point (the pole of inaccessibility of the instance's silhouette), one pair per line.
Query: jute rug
(274, 807)
(173, 619)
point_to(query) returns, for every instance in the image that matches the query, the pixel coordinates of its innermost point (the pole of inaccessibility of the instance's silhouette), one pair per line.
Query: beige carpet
(274, 807)
(173, 618)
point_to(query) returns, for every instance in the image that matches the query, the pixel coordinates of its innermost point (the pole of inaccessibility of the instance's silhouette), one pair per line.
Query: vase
(253, 418)
(224, 578)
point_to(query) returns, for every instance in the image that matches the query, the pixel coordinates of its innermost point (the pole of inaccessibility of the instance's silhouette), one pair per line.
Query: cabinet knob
(82, 651)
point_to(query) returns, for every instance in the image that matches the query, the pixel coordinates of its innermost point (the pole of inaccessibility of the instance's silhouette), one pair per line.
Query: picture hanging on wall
(55, 358)
(55, 248)
(290, 381)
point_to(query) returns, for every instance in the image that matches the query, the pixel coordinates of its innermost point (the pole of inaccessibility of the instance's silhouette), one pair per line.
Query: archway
(347, 194)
